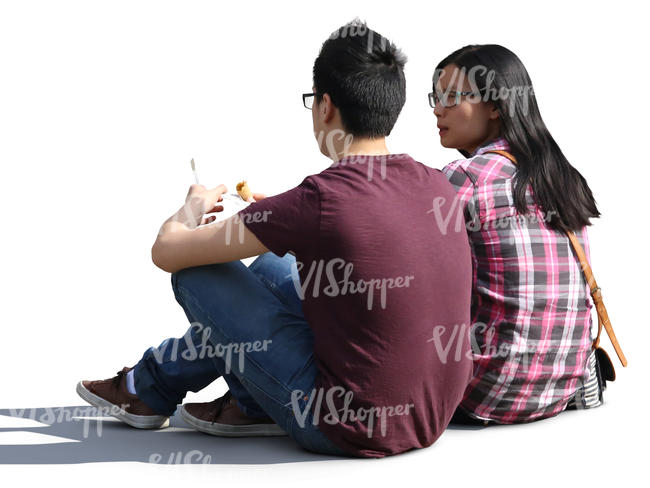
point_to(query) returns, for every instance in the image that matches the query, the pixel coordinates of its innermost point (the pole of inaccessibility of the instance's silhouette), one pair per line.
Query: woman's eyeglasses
(449, 98)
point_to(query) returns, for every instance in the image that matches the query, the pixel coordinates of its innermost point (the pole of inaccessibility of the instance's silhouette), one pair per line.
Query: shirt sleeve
(289, 221)
(465, 187)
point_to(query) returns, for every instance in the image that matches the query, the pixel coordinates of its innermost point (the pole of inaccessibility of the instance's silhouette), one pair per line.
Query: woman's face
(469, 124)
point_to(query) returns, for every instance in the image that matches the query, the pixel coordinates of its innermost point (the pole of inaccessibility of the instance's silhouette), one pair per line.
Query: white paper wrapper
(232, 203)
(233, 200)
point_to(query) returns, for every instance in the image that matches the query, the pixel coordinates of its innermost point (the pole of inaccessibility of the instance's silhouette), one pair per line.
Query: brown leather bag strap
(603, 318)
(505, 154)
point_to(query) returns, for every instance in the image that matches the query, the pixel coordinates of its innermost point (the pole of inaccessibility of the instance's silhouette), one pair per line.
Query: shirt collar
(495, 144)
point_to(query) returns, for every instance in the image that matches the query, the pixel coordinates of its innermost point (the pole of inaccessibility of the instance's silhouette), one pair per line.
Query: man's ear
(327, 108)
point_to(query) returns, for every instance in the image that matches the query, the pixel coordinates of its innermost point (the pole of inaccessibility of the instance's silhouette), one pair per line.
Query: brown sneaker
(112, 398)
(223, 417)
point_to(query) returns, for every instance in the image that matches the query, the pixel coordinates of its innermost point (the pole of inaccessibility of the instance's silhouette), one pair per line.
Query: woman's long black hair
(557, 187)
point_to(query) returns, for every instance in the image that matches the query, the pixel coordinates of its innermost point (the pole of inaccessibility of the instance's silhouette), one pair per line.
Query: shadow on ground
(70, 435)
(83, 434)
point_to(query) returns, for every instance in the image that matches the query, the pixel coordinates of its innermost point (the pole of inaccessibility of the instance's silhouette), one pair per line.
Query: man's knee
(195, 277)
(182, 278)
(177, 278)
(274, 265)
(186, 276)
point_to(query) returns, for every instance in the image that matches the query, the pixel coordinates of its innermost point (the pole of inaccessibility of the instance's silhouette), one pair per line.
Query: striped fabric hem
(588, 395)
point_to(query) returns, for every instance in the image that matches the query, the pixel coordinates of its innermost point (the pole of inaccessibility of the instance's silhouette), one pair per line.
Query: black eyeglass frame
(432, 96)
(305, 96)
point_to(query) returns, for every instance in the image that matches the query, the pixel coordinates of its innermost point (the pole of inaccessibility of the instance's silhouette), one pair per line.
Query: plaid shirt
(531, 320)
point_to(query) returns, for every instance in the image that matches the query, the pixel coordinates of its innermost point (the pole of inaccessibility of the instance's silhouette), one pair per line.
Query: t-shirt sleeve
(466, 192)
(289, 221)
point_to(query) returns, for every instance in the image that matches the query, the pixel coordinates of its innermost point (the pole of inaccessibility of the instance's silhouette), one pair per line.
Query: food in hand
(244, 191)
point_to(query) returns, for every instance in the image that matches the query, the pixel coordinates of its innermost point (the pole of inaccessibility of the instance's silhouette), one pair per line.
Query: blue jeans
(247, 325)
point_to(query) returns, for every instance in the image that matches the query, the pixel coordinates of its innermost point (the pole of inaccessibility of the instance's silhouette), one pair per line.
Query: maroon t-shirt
(386, 279)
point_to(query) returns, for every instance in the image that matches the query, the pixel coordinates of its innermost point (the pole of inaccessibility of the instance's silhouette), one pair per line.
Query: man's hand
(200, 201)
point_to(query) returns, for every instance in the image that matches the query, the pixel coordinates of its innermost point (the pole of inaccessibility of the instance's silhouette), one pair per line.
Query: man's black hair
(363, 73)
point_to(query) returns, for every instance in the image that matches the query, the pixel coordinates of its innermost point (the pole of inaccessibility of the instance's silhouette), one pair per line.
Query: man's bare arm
(178, 246)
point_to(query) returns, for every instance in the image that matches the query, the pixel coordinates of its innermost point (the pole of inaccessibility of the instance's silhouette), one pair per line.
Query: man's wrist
(177, 222)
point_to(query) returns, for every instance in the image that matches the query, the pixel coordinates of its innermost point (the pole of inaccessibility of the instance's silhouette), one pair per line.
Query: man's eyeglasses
(308, 100)
(449, 98)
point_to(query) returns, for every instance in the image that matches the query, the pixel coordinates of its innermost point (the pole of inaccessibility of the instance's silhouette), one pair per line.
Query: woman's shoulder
(482, 168)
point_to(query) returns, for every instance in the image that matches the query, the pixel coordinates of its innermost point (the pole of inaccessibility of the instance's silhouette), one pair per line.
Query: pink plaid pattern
(531, 312)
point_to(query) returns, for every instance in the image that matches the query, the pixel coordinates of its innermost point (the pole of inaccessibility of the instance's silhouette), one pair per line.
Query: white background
(102, 105)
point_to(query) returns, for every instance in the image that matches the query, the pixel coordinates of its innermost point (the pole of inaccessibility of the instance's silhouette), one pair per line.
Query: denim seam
(276, 290)
(273, 288)
(289, 428)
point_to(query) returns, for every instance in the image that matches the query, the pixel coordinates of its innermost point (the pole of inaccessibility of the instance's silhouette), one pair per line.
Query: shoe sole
(137, 421)
(226, 430)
